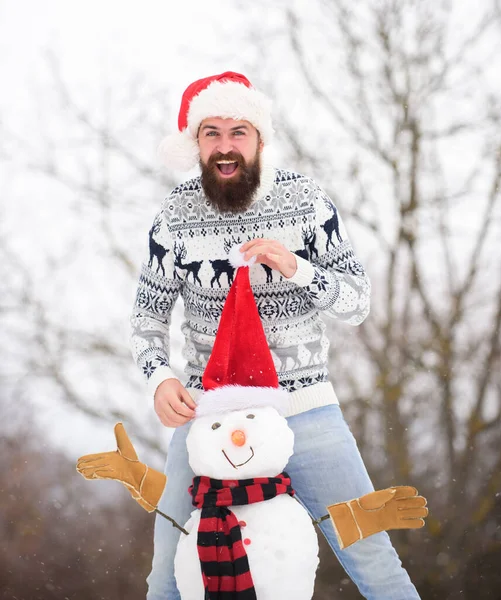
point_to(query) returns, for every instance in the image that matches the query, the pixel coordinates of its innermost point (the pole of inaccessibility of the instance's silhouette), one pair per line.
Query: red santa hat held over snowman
(227, 96)
(240, 373)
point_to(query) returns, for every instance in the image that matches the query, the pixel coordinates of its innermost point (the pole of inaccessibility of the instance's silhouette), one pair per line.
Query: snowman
(249, 533)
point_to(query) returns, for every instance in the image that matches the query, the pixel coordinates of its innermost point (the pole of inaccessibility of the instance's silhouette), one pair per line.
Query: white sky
(160, 38)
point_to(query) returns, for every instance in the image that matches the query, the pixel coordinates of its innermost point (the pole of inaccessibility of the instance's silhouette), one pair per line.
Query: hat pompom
(179, 151)
(237, 259)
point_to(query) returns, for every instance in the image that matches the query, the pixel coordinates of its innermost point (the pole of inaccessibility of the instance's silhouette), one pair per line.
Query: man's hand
(398, 507)
(173, 404)
(144, 484)
(271, 253)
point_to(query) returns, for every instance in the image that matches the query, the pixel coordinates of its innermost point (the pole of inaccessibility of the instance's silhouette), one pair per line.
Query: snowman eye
(216, 425)
(251, 416)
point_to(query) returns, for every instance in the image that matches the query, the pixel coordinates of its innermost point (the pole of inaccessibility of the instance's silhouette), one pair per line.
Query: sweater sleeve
(333, 277)
(157, 291)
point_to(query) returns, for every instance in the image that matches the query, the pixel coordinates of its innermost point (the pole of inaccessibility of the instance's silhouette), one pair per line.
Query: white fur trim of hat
(229, 398)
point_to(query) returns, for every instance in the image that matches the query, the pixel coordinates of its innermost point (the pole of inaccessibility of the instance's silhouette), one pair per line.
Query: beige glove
(393, 508)
(144, 483)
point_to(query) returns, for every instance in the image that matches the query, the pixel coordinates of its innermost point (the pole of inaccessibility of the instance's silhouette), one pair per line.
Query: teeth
(226, 162)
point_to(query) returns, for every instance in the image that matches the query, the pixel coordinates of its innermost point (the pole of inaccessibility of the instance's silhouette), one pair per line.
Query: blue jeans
(326, 468)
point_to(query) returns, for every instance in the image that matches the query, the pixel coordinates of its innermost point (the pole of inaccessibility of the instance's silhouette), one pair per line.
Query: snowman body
(282, 553)
(278, 534)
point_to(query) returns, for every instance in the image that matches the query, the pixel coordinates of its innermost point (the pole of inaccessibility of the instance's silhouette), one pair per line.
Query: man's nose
(225, 144)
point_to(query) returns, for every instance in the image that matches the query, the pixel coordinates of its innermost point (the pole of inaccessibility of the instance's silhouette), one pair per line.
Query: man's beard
(234, 194)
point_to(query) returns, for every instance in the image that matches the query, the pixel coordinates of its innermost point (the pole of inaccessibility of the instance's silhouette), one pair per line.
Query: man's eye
(216, 425)
(212, 133)
(251, 416)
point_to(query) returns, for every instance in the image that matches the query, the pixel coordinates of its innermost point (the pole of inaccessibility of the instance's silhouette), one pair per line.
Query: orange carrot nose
(238, 437)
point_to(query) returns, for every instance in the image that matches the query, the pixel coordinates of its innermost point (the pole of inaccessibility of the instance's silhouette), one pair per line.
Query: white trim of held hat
(229, 398)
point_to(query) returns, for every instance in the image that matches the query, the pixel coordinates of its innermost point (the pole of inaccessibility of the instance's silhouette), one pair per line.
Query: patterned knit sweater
(188, 245)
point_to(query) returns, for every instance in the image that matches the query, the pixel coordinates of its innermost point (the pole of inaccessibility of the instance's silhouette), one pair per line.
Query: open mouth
(241, 464)
(227, 167)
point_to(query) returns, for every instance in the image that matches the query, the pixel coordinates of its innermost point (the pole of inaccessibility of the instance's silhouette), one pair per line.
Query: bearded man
(306, 269)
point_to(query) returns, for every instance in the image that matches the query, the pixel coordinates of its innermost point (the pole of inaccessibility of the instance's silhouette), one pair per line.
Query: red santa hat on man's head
(228, 96)
(240, 373)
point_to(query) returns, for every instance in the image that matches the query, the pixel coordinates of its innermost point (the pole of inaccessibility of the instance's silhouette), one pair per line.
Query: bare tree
(413, 121)
(59, 537)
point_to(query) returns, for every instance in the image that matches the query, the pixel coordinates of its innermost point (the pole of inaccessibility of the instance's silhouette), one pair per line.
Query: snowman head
(246, 440)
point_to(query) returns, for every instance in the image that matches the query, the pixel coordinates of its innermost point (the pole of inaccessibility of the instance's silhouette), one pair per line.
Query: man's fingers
(187, 399)
(181, 408)
(170, 418)
(173, 404)
(254, 242)
(274, 258)
(261, 243)
(173, 421)
(264, 249)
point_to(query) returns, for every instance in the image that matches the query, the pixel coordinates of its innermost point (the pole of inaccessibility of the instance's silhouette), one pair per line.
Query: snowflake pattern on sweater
(188, 245)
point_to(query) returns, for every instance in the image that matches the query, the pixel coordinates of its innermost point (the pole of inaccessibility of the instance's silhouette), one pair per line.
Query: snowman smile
(241, 464)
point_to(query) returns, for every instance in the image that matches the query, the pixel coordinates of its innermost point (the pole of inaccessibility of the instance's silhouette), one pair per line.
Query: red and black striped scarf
(223, 559)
